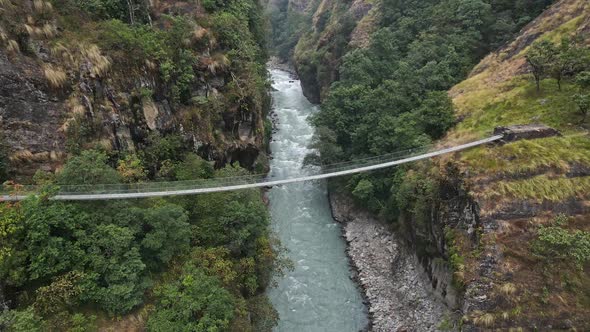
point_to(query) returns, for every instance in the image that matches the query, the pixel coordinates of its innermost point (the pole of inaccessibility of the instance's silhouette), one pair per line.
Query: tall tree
(541, 57)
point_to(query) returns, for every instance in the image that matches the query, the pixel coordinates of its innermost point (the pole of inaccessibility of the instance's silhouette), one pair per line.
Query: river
(318, 295)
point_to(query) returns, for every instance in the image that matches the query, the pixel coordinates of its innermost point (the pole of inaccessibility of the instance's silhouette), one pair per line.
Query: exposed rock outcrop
(30, 116)
(59, 95)
(317, 56)
(395, 284)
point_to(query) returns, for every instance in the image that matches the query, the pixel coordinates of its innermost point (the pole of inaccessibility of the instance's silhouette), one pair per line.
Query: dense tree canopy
(104, 255)
(392, 95)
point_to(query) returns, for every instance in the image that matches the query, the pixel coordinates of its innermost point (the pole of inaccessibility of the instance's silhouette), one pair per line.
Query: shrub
(193, 167)
(556, 243)
(131, 169)
(89, 168)
(104, 9)
(21, 321)
(195, 302)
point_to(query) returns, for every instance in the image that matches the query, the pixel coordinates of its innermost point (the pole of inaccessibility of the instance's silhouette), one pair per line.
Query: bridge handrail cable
(157, 189)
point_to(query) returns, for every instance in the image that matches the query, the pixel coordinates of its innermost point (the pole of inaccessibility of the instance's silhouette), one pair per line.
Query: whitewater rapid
(318, 295)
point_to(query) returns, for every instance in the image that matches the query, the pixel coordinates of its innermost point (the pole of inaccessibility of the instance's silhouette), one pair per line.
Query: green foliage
(391, 96)
(556, 243)
(569, 60)
(136, 44)
(104, 9)
(363, 190)
(60, 258)
(104, 262)
(60, 295)
(265, 317)
(582, 99)
(82, 323)
(583, 80)
(454, 257)
(195, 302)
(131, 169)
(193, 167)
(325, 147)
(234, 220)
(21, 321)
(131, 11)
(161, 149)
(286, 27)
(415, 195)
(104, 254)
(166, 231)
(436, 114)
(583, 102)
(89, 168)
(540, 58)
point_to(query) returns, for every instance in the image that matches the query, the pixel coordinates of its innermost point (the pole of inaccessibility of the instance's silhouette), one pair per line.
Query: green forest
(178, 264)
(69, 264)
(392, 96)
(126, 92)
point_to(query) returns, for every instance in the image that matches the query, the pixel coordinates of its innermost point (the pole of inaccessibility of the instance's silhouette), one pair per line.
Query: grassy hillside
(533, 194)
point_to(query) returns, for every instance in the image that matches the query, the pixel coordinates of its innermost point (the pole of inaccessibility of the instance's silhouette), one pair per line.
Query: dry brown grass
(484, 319)
(508, 289)
(74, 106)
(61, 52)
(106, 144)
(66, 125)
(3, 36)
(42, 7)
(12, 47)
(199, 33)
(21, 156)
(26, 156)
(47, 31)
(100, 63)
(75, 109)
(150, 65)
(55, 76)
(218, 62)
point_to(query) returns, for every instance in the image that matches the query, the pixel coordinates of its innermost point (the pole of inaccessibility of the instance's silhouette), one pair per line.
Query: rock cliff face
(506, 285)
(324, 30)
(30, 117)
(59, 96)
(336, 28)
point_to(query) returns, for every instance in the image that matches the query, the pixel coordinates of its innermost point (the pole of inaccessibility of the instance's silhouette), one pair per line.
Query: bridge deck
(107, 192)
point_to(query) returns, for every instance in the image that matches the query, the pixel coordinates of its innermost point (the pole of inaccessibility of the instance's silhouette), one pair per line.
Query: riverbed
(319, 294)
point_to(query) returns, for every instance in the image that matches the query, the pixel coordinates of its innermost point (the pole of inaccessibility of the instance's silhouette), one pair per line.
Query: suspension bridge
(204, 186)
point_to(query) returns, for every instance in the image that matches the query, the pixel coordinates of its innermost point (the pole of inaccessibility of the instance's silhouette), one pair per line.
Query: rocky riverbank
(276, 63)
(397, 290)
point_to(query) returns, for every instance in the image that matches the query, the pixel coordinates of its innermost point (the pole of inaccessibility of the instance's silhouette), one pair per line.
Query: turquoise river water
(318, 295)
